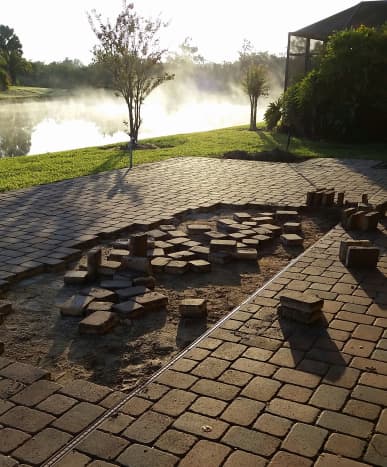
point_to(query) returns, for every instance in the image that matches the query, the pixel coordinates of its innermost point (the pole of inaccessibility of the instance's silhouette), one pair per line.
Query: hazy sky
(54, 29)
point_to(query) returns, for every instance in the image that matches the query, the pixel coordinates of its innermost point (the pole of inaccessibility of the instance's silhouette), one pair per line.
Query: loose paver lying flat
(273, 392)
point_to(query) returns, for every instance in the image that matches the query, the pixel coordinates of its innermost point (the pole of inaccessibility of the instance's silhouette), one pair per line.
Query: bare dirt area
(37, 333)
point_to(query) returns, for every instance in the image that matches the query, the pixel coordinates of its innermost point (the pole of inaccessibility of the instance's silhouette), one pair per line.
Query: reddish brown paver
(285, 394)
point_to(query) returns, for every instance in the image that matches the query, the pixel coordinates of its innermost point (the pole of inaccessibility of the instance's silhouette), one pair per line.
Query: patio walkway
(256, 390)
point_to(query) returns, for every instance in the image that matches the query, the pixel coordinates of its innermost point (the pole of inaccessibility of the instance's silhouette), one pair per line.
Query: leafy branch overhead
(130, 49)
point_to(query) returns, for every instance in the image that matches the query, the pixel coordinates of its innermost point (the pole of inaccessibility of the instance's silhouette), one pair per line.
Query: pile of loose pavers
(118, 281)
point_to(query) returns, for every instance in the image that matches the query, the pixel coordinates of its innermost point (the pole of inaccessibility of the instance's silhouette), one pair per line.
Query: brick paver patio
(256, 390)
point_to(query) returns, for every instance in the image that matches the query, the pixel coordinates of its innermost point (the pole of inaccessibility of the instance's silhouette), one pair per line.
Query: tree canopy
(11, 53)
(130, 49)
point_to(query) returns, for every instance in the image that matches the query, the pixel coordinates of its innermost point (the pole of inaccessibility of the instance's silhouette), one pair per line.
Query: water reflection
(95, 117)
(15, 133)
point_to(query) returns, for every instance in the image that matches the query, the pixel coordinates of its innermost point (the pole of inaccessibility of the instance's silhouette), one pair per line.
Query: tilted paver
(261, 392)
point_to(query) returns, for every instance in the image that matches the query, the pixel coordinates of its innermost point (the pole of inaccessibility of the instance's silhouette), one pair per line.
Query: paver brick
(272, 424)
(330, 460)
(144, 456)
(305, 440)
(10, 439)
(293, 410)
(35, 393)
(176, 379)
(41, 446)
(286, 459)
(206, 453)
(251, 440)
(78, 418)
(210, 368)
(238, 378)
(174, 402)
(208, 406)
(287, 357)
(329, 397)
(297, 377)
(294, 393)
(376, 453)
(23, 373)
(175, 442)
(253, 366)
(241, 458)
(362, 409)
(148, 427)
(369, 394)
(98, 322)
(242, 411)
(366, 332)
(6, 461)
(229, 350)
(135, 406)
(344, 445)
(381, 427)
(76, 459)
(85, 391)
(200, 425)
(57, 404)
(379, 354)
(116, 423)
(359, 348)
(103, 445)
(369, 364)
(26, 419)
(153, 391)
(215, 389)
(342, 376)
(262, 389)
(345, 424)
(258, 354)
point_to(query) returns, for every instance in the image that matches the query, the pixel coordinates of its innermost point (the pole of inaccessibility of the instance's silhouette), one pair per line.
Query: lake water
(94, 118)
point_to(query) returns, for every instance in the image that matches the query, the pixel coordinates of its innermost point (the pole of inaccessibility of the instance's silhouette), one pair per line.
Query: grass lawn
(24, 92)
(25, 171)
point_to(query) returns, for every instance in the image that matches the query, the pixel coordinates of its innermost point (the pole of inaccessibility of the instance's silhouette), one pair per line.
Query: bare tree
(130, 49)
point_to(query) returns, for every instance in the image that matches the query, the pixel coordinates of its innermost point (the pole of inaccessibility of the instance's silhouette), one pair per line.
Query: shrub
(345, 97)
(273, 114)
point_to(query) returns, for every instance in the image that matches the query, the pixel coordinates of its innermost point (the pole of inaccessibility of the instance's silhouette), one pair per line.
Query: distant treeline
(206, 76)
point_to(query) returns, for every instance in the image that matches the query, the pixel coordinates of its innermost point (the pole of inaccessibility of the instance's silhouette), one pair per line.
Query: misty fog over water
(95, 117)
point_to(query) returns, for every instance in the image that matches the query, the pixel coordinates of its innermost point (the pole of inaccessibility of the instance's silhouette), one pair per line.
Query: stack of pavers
(323, 197)
(120, 287)
(359, 254)
(362, 216)
(302, 307)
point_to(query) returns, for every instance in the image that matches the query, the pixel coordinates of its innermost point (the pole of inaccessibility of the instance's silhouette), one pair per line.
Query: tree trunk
(253, 113)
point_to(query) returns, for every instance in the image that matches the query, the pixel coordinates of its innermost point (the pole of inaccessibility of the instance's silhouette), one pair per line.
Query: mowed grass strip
(26, 171)
(30, 92)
